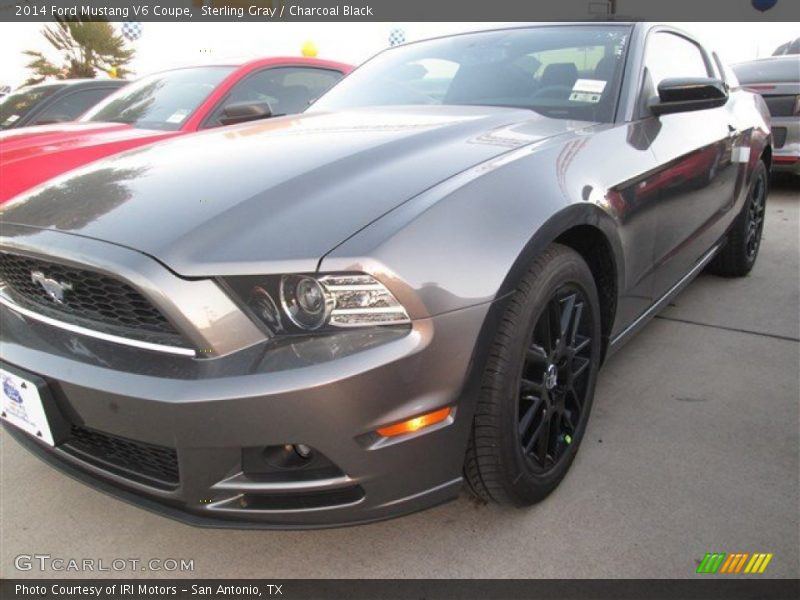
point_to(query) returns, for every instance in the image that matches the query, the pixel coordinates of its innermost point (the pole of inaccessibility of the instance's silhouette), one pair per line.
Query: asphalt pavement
(692, 448)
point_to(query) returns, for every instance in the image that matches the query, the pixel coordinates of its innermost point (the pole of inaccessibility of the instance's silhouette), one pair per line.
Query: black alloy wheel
(755, 217)
(743, 242)
(538, 383)
(554, 380)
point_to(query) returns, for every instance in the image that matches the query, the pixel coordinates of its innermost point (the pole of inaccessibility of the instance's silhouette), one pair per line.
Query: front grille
(781, 106)
(93, 300)
(153, 465)
(779, 136)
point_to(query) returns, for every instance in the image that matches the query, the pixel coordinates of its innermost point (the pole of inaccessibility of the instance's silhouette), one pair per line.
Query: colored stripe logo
(735, 563)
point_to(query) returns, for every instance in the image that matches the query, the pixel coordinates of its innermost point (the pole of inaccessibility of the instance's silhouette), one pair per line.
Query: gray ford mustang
(342, 316)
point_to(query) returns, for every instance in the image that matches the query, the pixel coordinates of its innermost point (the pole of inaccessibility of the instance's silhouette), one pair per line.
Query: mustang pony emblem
(55, 289)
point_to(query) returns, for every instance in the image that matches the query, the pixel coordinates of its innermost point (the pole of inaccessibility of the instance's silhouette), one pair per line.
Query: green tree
(86, 48)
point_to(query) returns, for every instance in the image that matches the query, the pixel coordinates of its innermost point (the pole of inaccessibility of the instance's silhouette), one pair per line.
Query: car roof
(264, 61)
(779, 57)
(71, 83)
(298, 60)
(513, 26)
(770, 70)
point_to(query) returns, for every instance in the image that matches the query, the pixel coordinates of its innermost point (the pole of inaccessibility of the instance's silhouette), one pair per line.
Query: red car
(161, 106)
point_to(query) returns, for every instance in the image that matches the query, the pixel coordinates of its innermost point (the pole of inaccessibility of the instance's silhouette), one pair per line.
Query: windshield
(16, 106)
(564, 72)
(161, 101)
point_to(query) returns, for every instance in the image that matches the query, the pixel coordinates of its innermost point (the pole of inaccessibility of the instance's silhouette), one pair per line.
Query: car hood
(32, 155)
(46, 141)
(277, 194)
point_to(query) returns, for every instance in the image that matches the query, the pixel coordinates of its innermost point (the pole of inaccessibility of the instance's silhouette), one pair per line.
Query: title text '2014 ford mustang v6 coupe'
(341, 316)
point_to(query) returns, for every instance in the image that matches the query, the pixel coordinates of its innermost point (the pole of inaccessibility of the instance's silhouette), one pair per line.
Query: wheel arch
(766, 156)
(591, 232)
(595, 249)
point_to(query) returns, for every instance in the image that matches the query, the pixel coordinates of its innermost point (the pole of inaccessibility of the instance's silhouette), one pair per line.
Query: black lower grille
(301, 500)
(779, 136)
(85, 298)
(146, 463)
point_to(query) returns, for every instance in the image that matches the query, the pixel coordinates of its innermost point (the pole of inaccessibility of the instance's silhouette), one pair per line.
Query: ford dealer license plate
(22, 406)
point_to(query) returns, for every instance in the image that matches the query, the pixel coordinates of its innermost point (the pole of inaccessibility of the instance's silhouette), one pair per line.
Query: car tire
(739, 254)
(532, 379)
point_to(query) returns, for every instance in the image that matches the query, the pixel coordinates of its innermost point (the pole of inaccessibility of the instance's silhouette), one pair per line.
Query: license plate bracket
(28, 405)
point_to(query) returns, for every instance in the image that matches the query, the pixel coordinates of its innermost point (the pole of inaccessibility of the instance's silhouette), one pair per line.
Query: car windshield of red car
(161, 101)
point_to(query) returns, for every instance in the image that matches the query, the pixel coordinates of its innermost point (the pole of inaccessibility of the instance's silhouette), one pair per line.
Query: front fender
(469, 240)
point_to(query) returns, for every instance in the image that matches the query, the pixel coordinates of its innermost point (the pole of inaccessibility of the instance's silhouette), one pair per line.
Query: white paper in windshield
(587, 90)
(594, 86)
(178, 116)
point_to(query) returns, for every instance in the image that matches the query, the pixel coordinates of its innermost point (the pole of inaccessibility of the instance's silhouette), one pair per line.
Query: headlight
(304, 303)
(263, 307)
(360, 300)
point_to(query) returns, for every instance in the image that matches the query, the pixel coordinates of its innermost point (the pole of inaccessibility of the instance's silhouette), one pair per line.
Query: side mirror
(241, 112)
(687, 94)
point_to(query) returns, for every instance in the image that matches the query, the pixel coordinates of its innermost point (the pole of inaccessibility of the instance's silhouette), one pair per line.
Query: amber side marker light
(415, 424)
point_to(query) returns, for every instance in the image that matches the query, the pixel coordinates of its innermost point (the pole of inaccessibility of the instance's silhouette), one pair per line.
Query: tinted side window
(316, 81)
(669, 55)
(288, 90)
(19, 104)
(71, 106)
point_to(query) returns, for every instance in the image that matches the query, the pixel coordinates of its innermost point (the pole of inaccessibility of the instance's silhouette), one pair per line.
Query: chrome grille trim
(93, 300)
(92, 333)
(206, 317)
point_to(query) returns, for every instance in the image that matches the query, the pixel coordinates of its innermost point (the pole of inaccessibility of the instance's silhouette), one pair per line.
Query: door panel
(696, 180)
(634, 200)
(696, 177)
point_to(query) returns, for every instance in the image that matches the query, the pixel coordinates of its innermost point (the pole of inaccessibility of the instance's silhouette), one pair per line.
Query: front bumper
(330, 393)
